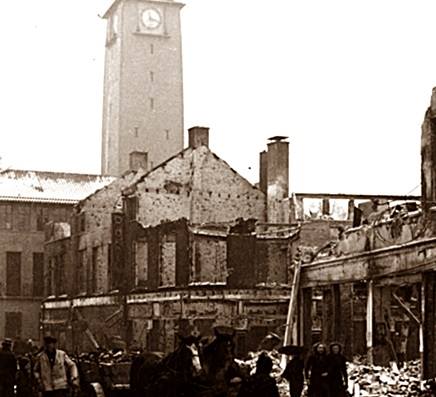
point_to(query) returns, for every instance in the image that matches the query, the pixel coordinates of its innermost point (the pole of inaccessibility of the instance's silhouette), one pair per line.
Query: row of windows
(14, 274)
(25, 217)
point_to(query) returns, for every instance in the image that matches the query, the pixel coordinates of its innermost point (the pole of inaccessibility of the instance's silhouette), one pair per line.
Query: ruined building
(187, 244)
(377, 281)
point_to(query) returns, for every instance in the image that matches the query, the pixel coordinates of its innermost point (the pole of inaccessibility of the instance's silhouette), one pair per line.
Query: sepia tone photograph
(218, 198)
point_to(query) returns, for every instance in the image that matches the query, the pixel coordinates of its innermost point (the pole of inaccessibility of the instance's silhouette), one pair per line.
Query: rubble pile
(364, 380)
(377, 381)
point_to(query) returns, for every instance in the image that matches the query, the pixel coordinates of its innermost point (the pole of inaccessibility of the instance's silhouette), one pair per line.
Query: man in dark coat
(316, 372)
(8, 369)
(261, 384)
(338, 378)
(294, 371)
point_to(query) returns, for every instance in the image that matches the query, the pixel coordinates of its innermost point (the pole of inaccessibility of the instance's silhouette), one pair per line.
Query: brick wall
(200, 187)
(22, 232)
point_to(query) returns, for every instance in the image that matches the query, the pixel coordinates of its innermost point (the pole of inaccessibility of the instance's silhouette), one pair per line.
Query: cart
(104, 379)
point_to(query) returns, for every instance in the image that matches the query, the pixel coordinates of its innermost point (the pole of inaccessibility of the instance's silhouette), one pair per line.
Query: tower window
(151, 48)
(136, 132)
(152, 103)
(167, 134)
(152, 76)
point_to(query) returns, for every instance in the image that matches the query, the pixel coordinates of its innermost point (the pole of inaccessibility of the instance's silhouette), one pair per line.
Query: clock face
(151, 18)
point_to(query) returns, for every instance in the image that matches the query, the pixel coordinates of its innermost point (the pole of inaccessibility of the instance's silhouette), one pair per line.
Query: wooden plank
(292, 309)
(406, 308)
(356, 196)
(369, 322)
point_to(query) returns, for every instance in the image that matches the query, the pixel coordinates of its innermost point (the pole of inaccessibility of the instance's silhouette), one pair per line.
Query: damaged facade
(377, 281)
(188, 244)
(177, 246)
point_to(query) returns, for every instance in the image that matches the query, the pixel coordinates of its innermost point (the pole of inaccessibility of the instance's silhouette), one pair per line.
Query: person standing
(316, 372)
(294, 371)
(55, 371)
(261, 384)
(338, 378)
(8, 369)
(24, 378)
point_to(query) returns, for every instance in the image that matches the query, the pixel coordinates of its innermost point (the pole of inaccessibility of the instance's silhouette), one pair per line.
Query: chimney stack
(263, 171)
(277, 178)
(198, 136)
(138, 160)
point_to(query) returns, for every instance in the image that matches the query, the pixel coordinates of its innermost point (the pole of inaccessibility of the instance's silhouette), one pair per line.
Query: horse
(219, 365)
(173, 376)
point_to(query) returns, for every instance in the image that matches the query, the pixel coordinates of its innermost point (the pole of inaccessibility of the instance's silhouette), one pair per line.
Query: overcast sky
(348, 81)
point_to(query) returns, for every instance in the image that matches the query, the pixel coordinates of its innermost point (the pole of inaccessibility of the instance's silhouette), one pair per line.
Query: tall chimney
(278, 178)
(263, 171)
(198, 136)
(138, 160)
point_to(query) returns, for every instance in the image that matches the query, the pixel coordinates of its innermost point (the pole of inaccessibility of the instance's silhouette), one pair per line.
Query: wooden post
(370, 322)
(327, 324)
(293, 301)
(307, 318)
(337, 313)
(421, 327)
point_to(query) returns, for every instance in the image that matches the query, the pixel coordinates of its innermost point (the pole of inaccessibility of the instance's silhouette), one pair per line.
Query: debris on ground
(364, 380)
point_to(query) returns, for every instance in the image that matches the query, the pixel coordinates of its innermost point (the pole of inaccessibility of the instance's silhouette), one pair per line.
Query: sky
(347, 81)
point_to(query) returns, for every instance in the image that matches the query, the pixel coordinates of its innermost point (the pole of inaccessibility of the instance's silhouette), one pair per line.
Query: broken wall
(200, 187)
(92, 236)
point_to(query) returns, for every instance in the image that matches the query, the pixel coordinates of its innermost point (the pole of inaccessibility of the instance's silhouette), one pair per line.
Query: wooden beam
(370, 322)
(406, 308)
(293, 301)
(346, 196)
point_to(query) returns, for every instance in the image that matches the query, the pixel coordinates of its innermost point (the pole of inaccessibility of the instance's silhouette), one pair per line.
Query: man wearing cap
(54, 370)
(8, 369)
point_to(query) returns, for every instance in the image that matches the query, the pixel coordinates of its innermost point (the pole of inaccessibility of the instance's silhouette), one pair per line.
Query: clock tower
(143, 84)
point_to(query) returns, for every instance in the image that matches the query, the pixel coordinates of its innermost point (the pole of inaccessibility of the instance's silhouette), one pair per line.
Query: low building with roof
(28, 200)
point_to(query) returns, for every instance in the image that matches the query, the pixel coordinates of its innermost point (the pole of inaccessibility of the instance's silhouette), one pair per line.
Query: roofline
(38, 200)
(143, 177)
(356, 196)
(109, 10)
(116, 2)
(6, 170)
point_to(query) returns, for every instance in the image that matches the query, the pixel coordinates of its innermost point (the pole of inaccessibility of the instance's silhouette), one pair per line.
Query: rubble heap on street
(364, 380)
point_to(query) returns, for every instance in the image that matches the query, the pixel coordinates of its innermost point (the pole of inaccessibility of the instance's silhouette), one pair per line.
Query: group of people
(51, 371)
(54, 373)
(325, 374)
